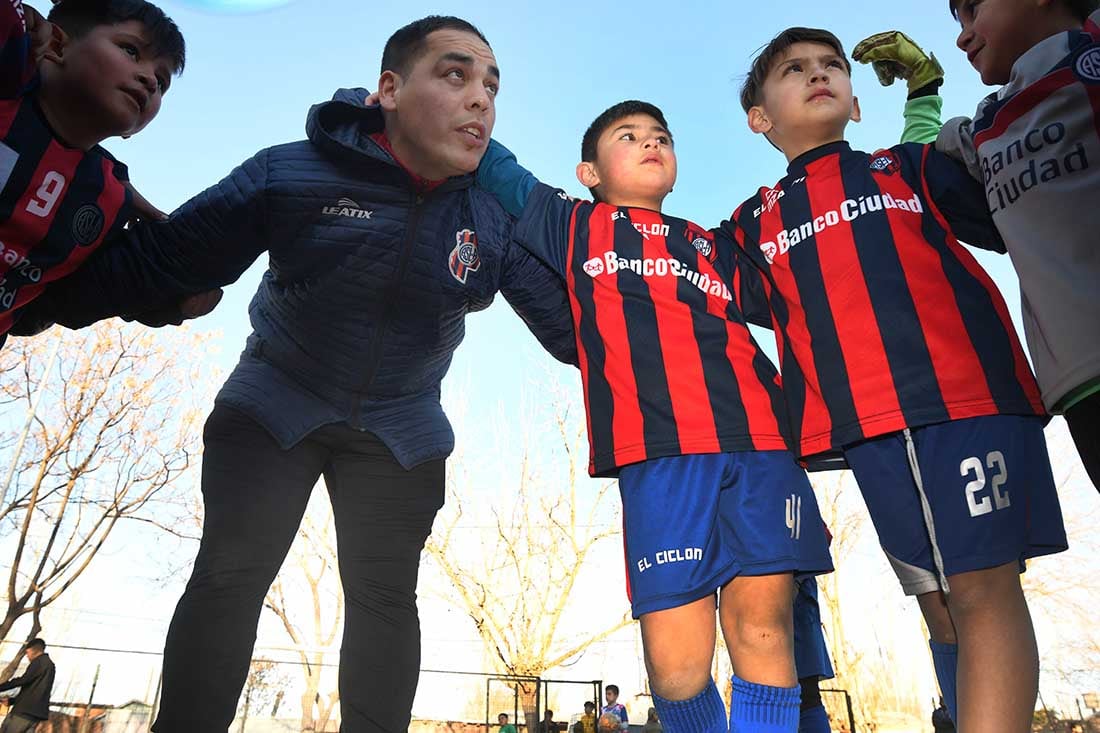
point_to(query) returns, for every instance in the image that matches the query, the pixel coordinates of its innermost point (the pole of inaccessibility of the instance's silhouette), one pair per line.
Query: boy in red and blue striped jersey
(686, 409)
(898, 354)
(93, 70)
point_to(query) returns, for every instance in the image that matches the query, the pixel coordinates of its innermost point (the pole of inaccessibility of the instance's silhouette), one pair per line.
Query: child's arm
(208, 242)
(959, 197)
(749, 290)
(893, 55)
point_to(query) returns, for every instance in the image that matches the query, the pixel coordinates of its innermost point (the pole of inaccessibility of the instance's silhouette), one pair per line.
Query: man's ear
(587, 174)
(758, 120)
(855, 116)
(389, 88)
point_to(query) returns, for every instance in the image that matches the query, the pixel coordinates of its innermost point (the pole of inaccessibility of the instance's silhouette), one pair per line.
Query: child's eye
(129, 49)
(627, 136)
(792, 67)
(836, 63)
(162, 84)
(663, 139)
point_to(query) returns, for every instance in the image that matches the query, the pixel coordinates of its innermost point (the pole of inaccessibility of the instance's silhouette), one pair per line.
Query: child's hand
(894, 55)
(193, 306)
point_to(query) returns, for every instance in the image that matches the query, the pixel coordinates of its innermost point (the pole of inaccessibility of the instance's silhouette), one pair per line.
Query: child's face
(116, 77)
(635, 163)
(611, 696)
(997, 32)
(806, 98)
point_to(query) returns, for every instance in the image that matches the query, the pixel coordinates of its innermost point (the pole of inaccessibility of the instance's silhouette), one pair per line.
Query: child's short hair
(406, 44)
(1081, 8)
(589, 704)
(607, 118)
(78, 17)
(752, 89)
(615, 688)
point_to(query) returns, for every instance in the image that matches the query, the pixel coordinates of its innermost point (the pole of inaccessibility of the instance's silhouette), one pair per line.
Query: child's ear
(587, 174)
(54, 49)
(855, 116)
(759, 121)
(389, 87)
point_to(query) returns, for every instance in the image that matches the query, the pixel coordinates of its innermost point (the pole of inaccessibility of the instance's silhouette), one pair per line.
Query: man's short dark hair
(502, 715)
(406, 45)
(613, 688)
(609, 117)
(752, 91)
(1081, 8)
(78, 17)
(37, 644)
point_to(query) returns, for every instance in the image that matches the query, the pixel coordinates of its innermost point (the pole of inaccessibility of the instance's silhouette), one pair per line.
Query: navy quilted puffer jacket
(365, 296)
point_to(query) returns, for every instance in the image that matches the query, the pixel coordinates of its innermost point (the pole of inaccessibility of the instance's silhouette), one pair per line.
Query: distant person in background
(505, 726)
(616, 708)
(32, 704)
(547, 724)
(652, 724)
(587, 722)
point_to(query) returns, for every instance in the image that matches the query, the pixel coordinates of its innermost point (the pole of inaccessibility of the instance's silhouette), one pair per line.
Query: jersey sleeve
(544, 227)
(749, 290)
(923, 119)
(16, 69)
(956, 140)
(500, 174)
(959, 197)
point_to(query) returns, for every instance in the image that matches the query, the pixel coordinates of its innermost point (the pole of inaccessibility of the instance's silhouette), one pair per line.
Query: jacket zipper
(375, 349)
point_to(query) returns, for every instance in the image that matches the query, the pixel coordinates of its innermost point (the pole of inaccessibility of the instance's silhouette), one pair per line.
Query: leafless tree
(97, 428)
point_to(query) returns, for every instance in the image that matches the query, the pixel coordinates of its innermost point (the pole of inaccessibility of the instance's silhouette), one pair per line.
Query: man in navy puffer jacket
(379, 246)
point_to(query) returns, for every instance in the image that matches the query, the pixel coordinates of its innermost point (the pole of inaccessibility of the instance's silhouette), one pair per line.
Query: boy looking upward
(94, 70)
(898, 353)
(1034, 145)
(684, 407)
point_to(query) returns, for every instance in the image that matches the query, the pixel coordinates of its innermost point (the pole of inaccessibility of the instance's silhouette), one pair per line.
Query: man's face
(807, 95)
(441, 113)
(635, 161)
(502, 719)
(115, 77)
(32, 653)
(997, 32)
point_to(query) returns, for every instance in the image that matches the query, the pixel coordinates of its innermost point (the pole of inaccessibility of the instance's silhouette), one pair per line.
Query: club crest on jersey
(884, 161)
(464, 257)
(1088, 65)
(87, 224)
(701, 240)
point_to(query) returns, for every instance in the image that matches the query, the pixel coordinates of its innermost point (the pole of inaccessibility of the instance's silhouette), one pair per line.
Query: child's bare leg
(933, 606)
(679, 648)
(998, 659)
(757, 622)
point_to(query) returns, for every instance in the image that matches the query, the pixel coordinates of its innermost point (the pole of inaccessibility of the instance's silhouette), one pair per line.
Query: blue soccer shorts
(693, 523)
(811, 655)
(960, 496)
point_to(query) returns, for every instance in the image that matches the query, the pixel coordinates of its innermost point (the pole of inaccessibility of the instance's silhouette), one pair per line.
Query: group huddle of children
(897, 355)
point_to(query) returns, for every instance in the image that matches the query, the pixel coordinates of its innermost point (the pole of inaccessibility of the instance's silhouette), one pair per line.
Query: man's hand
(193, 306)
(144, 210)
(894, 55)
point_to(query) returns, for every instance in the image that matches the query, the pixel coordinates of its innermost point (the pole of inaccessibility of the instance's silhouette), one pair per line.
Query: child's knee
(985, 591)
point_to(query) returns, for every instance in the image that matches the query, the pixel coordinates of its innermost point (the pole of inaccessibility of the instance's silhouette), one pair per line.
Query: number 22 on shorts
(998, 497)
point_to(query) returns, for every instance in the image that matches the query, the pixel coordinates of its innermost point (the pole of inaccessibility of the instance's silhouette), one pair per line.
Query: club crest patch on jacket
(464, 258)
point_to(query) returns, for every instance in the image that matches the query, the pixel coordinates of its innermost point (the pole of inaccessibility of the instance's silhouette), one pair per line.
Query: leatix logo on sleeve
(464, 257)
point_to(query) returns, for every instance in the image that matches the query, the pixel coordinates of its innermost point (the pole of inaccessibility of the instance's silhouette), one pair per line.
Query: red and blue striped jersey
(667, 362)
(57, 204)
(883, 319)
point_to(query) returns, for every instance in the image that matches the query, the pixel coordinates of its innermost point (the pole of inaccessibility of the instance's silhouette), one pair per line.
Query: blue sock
(704, 713)
(945, 658)
(763, 709)
(814, 720)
